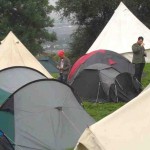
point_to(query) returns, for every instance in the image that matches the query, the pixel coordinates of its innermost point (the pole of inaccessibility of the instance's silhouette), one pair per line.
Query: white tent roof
(126, 129)
(121, 32)
(14, 53)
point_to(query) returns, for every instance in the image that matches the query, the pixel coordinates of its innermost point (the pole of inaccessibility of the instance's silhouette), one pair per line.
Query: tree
(28, 19)
(91, 17)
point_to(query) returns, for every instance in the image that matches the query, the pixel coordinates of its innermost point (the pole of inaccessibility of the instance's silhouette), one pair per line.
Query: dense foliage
(27, 19)
(92, 15)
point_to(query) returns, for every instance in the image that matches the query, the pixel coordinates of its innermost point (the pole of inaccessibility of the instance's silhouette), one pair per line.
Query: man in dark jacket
(139, 55)
(63, 66)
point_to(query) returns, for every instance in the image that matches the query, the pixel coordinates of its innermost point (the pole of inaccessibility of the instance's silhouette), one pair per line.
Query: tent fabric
(107, 57)
(102, 83)
(125, 129)
(7, 124)
(129, 56)
(3, 95)
(121, 32)
(14, 53)
(12, 78)
(127, 87)
(5, 144)
(48, 64)
(80, 61)
(47, 115)
(88, 86)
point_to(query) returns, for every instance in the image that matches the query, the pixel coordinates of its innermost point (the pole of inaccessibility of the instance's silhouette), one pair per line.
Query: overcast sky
(52, 2)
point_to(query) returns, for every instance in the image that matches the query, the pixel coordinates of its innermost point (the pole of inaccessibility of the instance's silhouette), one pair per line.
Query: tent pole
(101, 84)
(71, 122)
(98, 91)
(13, 143)
(121, 89)
(116, 93)
(119, 84)
(139, 83)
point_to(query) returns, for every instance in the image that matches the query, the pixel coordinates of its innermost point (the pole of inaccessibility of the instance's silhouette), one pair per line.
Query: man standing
(139, 55)
(63, 66)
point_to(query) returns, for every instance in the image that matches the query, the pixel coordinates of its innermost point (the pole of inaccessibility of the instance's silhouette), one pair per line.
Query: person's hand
(142, 44)
(58, 67)
(61, 69)
(145, 54)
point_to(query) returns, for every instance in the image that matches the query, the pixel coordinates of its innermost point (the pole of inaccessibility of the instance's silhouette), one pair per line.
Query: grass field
(146, 75)
(100, 110)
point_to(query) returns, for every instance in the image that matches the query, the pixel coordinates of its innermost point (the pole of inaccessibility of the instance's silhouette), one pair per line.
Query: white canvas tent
(14, 53)
(121, 32)
(126, 129)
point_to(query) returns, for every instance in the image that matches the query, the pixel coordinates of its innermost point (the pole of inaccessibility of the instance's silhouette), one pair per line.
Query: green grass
(146, 75)
(100, 110)
(55, 75)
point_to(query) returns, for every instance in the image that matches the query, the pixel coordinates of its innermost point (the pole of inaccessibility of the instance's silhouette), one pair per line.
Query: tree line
(28, 19)
(91, 16)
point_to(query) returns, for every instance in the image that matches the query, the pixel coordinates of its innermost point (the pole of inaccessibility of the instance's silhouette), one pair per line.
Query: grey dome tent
(48, 64)
(102, 83)
(110, 58)
(5, 144)
(44, 115)
(13, 78)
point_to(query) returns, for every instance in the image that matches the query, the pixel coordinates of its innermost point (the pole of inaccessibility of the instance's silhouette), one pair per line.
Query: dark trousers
(139, 70)
(63, 77)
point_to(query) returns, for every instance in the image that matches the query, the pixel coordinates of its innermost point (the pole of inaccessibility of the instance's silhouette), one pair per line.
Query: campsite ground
(100, 110)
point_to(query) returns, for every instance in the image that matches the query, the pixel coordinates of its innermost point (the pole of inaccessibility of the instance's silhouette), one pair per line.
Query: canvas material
(129, 56)
(14, 53)
(125, 129)
(120, 27)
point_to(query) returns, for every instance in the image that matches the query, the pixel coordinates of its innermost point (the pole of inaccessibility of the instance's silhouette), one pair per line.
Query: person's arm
(67, 65)
(58, 65)
(136, 49)
(145, 54)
